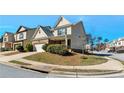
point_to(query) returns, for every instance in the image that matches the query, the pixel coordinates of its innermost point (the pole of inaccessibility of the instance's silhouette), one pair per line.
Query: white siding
(22, 29)
(40, 34)
(24, 36)
(55, 33)
(63, 22)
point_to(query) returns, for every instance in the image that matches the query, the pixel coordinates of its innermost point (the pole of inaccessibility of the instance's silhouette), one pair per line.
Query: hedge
(45, 47)
(58, 49)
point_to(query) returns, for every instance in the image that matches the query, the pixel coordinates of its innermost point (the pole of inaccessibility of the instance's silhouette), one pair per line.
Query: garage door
(38, 47)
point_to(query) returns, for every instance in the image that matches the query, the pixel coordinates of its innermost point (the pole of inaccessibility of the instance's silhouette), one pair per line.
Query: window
(21, 36)
(119, 43)
(61, 32)
(5, 39)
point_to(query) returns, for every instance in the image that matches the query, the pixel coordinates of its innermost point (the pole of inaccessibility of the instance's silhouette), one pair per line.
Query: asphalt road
(11, 72)
(119, 56)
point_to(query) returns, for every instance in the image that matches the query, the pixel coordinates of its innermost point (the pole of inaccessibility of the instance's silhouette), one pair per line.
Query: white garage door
(39, 47)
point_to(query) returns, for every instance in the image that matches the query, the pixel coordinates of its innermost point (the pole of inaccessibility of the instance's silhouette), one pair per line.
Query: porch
(60, 40)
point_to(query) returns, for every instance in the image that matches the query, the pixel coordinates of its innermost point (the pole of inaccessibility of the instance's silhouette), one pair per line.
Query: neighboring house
(117, 44)
(120, 42)
(7, 41)
(64, 32)
(41, 37)
(22, 35)
(1, 40)
(89, 45)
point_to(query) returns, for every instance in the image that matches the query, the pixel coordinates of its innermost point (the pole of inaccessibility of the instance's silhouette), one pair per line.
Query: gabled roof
(46, 29)
(8, 33)
(26, 28)
(80, 22)
(58, 21)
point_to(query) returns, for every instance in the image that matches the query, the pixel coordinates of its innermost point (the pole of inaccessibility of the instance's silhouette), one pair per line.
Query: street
(119, 56)
(11, 72)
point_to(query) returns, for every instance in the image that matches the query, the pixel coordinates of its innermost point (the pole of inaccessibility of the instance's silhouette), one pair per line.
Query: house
(117, 44)
(72, 35)
(7, 41)
(64, 32)
(41, 37)
(120, 42)
(22, 36)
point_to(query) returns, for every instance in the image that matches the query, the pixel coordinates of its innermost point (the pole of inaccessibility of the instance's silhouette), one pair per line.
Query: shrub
(84, 57)
(58, 49)
(20, 48)
(6, 49)
(45, 47)
(29, 47)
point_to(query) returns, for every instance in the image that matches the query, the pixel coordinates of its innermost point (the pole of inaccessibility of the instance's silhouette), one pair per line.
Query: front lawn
(122, 62)
(73, 60)
(19, 62)
(11, 53)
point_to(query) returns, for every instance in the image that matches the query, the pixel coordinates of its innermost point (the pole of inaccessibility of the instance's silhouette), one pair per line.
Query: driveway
(15, 57)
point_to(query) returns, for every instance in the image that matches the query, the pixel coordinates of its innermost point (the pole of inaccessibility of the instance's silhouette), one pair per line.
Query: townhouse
(64, 32)
(7, 41)
(22, 36)
(117, 44)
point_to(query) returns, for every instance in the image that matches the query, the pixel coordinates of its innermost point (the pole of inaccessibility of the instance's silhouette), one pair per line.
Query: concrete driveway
(15, 57)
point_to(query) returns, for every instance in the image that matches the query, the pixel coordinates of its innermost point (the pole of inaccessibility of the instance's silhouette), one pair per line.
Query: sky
(110, 27)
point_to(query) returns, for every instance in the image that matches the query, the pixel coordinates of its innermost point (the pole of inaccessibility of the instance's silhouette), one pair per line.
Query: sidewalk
(15, 57)
(110, 65)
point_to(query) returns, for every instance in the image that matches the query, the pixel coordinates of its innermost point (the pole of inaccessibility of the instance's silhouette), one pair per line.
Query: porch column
(66, 39)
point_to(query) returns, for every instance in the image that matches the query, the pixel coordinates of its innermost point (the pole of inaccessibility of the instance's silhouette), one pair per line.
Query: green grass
(122, 62)
(12, 53)
(92, 60)
(73, 60)
(18, 62)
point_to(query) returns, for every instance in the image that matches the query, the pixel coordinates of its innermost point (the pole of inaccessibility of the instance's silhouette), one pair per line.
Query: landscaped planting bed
(72, 60)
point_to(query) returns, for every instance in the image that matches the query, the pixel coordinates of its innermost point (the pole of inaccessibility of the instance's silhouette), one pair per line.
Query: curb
(52, 71)
(85, 74)
(35, 69)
